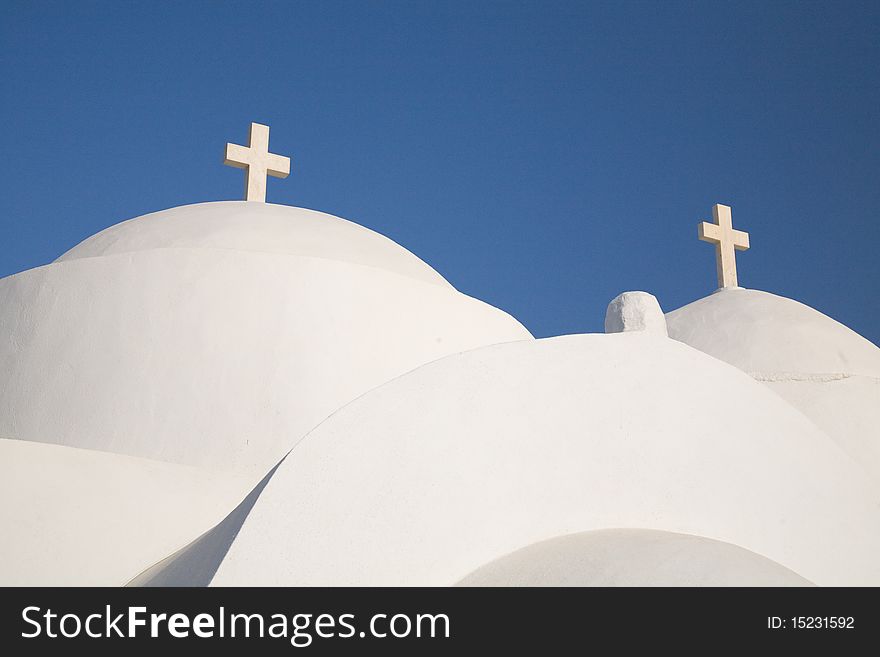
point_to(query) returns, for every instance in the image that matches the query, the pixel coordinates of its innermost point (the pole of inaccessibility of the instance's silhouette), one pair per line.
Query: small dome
(762, 333)
(261, 227)
(632, 557)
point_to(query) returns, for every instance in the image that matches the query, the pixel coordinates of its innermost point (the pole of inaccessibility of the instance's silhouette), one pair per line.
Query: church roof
(438, 472)
(218, 334)
(374, 426)
(83, 517)
(261, 227)
(762, 333)
(632, 557)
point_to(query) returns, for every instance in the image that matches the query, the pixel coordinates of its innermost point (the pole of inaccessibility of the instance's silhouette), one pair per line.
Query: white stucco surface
(847, 408)
(75, 517)
(265, 227)
(239, 393)
(196, 562)
(824, 369)
(632, 557)
(214, 357)
(759, 332)
(635, 311)
(472, 457)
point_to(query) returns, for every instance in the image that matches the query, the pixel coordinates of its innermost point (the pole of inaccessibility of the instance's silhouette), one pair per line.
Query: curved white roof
(263, 227)
(827, 371)
(847, 409)
(466, 459)
(77, 517)
(632, 557)
(763, 333)
(214, 357)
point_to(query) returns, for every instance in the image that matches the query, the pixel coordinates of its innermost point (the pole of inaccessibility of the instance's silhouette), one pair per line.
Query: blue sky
(543, 156)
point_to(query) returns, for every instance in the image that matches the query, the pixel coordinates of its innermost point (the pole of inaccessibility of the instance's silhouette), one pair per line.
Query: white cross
(257, 162)
(726, 241)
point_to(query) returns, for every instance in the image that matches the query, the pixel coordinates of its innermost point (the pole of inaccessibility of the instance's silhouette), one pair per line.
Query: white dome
(466, 459)
(262, 227)
(632, 557)
(759, 332)
(215, 356)
(827, 371)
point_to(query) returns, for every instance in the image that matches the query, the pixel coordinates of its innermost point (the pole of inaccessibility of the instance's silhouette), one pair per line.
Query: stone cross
(257, 162)
(726, 241)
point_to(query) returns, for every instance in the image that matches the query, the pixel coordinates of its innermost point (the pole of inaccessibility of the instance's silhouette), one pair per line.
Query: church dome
(259, 227)
(762, 333)
(824, 369)
(632, 557)
(216, 335)
(469, 458)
